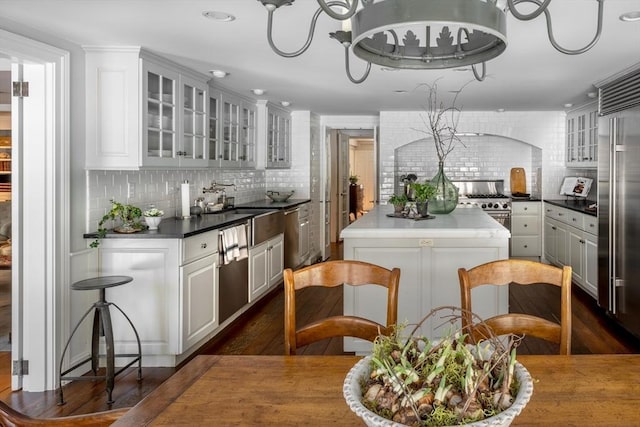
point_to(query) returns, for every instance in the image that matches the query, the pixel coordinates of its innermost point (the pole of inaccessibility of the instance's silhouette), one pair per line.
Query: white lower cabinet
(525, 230)
(428, 279)
(172, 300)
(570, 238)
(199, 299)
(266, 262)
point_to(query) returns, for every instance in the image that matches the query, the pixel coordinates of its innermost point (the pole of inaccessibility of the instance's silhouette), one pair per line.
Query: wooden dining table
(577, 390)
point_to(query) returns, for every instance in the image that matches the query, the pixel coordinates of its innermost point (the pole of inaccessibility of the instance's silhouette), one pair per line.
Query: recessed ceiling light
(630, 16)
(592, 95)
(218, 16)
(389, 69)
(500, 110)
(219, 73)
(285, 103)
(568, 105)
(400, 91)
(258, 91)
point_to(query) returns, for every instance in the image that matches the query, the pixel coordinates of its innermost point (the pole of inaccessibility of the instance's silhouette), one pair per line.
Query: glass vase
(446, 198)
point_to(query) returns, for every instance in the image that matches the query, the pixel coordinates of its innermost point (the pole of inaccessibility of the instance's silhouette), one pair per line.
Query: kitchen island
(428, 253)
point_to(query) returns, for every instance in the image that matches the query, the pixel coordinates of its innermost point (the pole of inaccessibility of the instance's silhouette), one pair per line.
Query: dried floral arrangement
(418, 382)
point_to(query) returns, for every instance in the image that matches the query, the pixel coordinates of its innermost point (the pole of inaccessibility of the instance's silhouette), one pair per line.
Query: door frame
(40, 209)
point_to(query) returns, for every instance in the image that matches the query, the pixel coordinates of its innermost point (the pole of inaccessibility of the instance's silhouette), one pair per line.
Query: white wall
(543, 129)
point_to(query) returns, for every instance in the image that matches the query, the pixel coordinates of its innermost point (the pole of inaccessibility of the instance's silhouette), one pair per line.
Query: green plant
(128, 214)
(153, 212)
(353, 178)
(423, 191)
(398, 200)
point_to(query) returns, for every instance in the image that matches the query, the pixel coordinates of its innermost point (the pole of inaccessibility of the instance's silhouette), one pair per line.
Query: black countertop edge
(574, 205)
(268, 204)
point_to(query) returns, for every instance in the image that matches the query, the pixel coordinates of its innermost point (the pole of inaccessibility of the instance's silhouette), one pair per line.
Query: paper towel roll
(184, 189)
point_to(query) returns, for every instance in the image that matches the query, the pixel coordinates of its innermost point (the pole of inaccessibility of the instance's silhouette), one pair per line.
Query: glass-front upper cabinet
(278, 138)
(582, 137)
(229, 153)
(194, 145)
(161, 139)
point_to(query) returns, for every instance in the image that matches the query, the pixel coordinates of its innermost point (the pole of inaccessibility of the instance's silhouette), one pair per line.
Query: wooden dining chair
(331, 274)
(520, 272)
(9, 417)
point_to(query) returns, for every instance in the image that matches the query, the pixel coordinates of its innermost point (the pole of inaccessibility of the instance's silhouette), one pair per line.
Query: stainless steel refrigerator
(619, 201)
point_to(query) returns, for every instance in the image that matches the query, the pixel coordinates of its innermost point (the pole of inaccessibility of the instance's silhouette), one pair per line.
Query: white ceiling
(530, 75)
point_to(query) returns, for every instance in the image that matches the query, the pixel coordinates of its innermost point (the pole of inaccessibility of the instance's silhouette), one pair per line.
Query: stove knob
(505, 206)
(484, 205)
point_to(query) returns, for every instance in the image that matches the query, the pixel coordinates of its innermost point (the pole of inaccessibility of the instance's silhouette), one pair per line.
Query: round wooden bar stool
(101, 327)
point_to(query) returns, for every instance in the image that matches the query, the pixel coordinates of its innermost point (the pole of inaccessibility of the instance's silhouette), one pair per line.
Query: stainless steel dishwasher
(233, 282)
(291, 238)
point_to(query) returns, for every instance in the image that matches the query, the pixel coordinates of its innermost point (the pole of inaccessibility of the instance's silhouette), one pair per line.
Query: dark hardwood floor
(261, 332)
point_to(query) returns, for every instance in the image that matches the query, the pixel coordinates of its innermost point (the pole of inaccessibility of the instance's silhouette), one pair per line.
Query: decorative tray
(413, 218)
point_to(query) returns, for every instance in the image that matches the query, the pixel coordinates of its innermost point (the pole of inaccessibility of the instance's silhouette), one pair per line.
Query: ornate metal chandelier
(423, 34)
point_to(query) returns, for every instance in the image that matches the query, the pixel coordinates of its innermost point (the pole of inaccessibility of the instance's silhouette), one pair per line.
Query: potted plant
(129, 216)
(412, 380)
(398, 202)
(353, 179)
(423, 192)
(152, 217)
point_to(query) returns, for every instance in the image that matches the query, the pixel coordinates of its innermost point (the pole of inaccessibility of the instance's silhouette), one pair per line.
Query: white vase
(153, 221)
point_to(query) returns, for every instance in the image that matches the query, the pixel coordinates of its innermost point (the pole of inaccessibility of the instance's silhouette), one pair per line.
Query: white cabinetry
(232, 130)
(266, 263)
(571, 239)
(429, 279)
(172, 300)
(275, 125)
(143, 111)
(526, 229)
(199, 288)
(582, 137)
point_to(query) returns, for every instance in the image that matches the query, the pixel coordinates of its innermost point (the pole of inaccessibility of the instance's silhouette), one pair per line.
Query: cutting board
(518, 181)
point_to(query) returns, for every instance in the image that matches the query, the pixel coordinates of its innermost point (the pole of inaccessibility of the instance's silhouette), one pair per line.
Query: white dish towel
(233, 245)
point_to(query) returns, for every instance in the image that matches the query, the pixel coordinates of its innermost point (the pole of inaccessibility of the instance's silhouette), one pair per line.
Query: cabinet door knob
(526, 246)
(526, 208)
(525, 225)
(203, 245)
(553, 228)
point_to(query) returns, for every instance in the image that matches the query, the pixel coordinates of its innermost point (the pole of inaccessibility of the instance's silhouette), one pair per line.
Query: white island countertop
(463, 222)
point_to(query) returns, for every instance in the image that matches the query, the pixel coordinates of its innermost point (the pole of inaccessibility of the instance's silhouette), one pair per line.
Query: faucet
(216, 187)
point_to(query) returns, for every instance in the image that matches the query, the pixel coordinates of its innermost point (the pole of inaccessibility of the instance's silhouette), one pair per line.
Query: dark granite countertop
(577, 205)
(268, 204)
(177, 228)
(526, 199)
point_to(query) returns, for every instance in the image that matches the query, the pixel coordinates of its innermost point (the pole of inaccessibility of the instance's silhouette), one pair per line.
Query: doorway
(352, 154)
(5, 205)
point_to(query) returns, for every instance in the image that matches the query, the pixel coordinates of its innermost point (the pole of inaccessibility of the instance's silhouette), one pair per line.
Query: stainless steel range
(489, 196)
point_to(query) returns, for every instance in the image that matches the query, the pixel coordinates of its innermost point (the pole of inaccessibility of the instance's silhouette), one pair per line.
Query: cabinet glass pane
(213, 149)
(153, 143)
(188, 97)
(198, 147)
(167, 144)
(188, 122)
(187, 149)
(167, 90)
(153, 86)
(153, 115)
(198, 125)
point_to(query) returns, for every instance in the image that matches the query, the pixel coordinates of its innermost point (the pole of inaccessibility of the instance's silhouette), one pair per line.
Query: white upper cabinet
(232, 130)
(143, 111)
(582, 137)
(275, 125)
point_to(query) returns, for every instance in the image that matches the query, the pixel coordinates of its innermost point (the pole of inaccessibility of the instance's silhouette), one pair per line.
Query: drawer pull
(526, 246)
(203, 245)
(553, 228)
(573, 219)
(591, 225)
(525, 208)
(525, 225)
(560, 214)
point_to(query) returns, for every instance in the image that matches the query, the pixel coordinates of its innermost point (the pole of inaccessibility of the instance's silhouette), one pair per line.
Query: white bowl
(353, 395)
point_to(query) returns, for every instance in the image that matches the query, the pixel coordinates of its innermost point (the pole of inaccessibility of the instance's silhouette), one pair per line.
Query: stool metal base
(101, 326)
